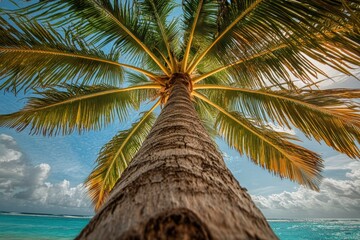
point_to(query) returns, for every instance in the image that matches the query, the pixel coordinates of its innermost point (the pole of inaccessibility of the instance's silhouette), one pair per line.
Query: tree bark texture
(178, 187)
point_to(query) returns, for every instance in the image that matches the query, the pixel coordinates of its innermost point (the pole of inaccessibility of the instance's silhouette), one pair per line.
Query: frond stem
(48, 52)
(191, 36)
(145, 86)
(271, 50)
(171, 66)
(308, 105)
(164, 36)
(199, 78)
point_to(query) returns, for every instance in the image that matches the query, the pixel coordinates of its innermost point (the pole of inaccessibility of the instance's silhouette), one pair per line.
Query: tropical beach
(179, 119)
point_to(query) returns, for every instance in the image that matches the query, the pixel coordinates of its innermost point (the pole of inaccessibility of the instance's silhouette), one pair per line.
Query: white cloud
(337, 198)
(340, 162)
(8, 155)
(22, 181)
(7, 138)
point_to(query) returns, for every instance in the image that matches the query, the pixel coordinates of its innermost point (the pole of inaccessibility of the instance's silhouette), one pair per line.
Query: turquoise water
(15, 226)
(317, 229)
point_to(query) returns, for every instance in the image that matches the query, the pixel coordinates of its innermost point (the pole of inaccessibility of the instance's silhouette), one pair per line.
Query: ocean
(19, 226)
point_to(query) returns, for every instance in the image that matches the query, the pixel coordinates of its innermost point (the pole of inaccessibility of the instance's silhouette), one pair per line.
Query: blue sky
(43, 174)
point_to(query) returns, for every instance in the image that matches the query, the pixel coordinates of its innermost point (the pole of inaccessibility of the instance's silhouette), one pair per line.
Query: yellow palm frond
(33, 55)
(103, 21)
(317, 113)
(269, 149)
(80, 108)
(275, 36)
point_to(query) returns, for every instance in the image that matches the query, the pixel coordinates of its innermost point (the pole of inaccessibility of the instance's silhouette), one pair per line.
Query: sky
(46, 174)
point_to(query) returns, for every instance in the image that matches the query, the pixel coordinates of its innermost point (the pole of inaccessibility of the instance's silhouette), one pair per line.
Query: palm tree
(217, 69)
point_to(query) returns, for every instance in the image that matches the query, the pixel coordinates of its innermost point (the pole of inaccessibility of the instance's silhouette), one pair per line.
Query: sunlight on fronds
(269, 149)
(33, 55)
(81, 108)
(223, 33)
(104, 21)
(317, 113)
(273, 40)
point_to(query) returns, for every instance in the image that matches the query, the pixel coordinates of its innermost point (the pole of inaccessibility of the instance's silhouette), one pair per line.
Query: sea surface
(18, 226)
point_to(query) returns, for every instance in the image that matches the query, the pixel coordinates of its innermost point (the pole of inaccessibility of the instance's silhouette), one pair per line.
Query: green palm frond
(326, 115)
(80, 108)
(274, 66)
(207, 116)
(293, 23)
(155, 14)
(250, 6)
(199, 26)
(269, 149)
(115, 156)
(136, 79)
(103, 21)
(32, 55)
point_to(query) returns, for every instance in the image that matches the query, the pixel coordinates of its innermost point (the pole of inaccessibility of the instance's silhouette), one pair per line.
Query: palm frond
(102, 21)
(155, 14)
(115, 156)
(242, 15)
(32, 55)
(136, 79)
(274, 62)
(207, 116)
(176, 34)
(298, 24)
(199, 25)
(81, 108)
(326, 115)
(269, 149)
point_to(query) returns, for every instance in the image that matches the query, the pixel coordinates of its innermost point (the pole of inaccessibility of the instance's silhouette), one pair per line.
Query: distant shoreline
(45, 214)
(90, 216)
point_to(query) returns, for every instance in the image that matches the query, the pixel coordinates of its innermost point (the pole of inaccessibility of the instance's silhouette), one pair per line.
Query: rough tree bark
(177, 186)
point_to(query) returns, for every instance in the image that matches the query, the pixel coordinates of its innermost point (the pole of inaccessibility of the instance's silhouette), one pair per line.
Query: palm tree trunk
(178, 187)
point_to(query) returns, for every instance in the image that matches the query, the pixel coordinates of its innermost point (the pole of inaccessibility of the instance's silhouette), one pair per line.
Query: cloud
(336, 198)
(340, 162)
(8, 154)
(7, 138)
(23, 182)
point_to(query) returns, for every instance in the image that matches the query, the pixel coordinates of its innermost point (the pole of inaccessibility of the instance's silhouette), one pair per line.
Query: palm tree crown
(90, 62)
